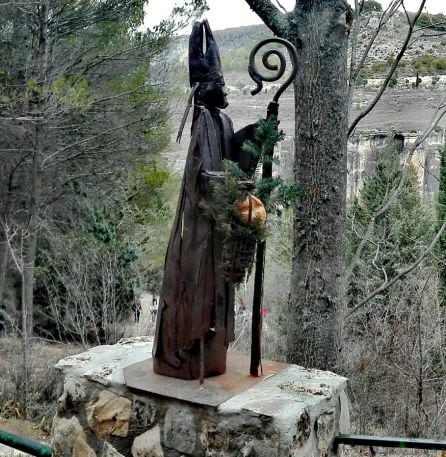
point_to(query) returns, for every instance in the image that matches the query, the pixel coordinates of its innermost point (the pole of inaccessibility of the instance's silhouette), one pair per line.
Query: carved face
(213, 94)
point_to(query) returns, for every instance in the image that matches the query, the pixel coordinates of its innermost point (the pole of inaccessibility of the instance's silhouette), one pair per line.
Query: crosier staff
(272, 112)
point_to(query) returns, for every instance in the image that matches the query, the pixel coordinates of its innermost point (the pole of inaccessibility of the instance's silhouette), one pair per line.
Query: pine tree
(441, 213)
(79, 108)
(399, 235)
(392, 343)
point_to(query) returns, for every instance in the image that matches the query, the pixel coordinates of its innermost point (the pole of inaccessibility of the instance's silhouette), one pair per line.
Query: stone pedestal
(111, 405)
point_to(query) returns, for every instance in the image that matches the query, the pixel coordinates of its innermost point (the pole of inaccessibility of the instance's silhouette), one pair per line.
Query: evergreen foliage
(393, 334)
(399, 236)
(83, 115)
(223, 210)
(441, 215)
(95, 270)
(271, 191)
(360, 81)
(432, 21)
(393, 82)
(234, 186)
(371, 5)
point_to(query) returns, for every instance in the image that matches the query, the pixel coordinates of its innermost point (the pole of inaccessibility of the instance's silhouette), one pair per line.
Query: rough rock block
(69, 438)
(110, 415)
(180, 430)
(148, 444)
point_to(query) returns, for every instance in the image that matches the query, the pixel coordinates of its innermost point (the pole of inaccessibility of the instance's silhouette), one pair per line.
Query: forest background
(88, 188)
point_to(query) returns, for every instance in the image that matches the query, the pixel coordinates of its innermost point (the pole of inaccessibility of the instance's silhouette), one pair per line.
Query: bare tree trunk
(3, 268)
(27, 301)
(29, 260)
(317, 289)
(4, 253)
(3, 262)
(38, 103)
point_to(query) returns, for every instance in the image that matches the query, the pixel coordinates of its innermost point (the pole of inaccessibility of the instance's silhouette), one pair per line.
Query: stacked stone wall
(295, 412)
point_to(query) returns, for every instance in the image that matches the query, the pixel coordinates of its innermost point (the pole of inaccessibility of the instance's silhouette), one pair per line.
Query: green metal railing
(42, 450)
(388, 441)
(24, 444)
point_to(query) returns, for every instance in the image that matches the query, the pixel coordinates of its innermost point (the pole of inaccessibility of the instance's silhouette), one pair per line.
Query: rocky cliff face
(362, 154)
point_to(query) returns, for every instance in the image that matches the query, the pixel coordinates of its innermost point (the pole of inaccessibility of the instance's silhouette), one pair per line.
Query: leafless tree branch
(281, 7)
(401, 273)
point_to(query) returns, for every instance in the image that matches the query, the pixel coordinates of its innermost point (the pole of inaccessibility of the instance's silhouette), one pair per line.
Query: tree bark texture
(29, 261)
(319, 30)
(3, 263)
(318, 270)
(3, 268)
(38, 105)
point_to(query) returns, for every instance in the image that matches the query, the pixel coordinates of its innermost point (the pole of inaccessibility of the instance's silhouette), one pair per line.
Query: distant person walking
(154, 309)
(136, 307)
(242, 308)
(2, 320)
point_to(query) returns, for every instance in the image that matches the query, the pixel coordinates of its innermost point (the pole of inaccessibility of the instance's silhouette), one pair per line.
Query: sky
(234, 13)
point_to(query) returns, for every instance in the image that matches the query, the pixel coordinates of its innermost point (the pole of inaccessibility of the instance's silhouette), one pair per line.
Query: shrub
(371, 5)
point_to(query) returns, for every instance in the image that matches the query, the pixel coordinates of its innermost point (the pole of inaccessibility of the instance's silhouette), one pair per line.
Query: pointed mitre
(204, 65)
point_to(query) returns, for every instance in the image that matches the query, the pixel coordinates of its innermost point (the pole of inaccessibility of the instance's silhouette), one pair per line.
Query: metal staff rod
(267, 172)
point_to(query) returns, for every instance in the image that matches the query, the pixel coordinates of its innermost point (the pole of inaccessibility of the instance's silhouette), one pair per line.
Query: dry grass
(40, 401)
